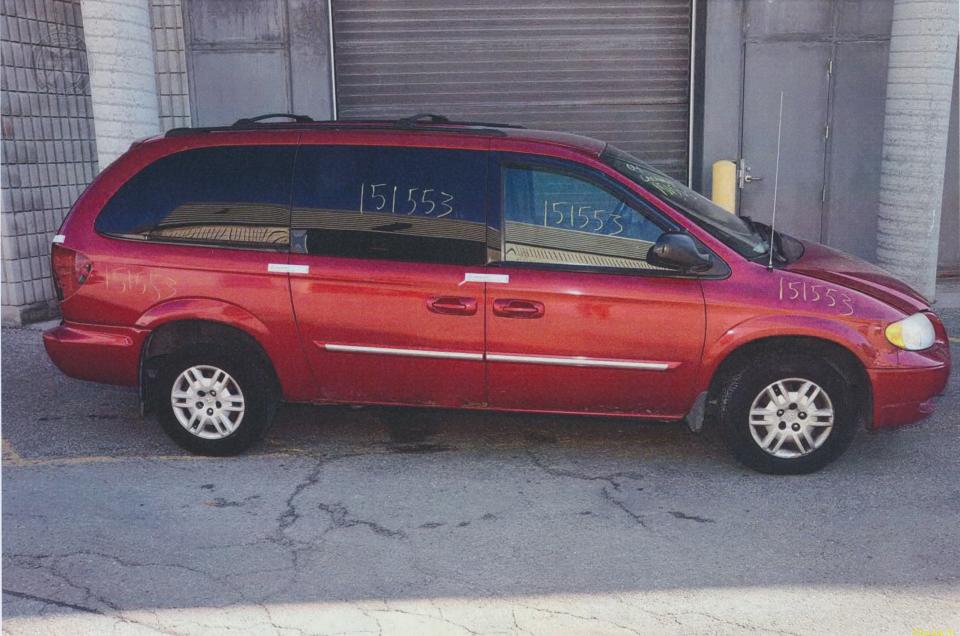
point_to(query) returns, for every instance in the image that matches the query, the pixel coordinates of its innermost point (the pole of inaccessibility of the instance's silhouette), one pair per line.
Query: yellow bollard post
(724, 191)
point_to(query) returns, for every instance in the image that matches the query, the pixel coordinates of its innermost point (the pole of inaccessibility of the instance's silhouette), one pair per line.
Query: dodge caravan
(431, 263)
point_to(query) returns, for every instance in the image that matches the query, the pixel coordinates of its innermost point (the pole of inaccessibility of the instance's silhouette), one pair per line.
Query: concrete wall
(123, 84)
(49, 154)
(949, 255)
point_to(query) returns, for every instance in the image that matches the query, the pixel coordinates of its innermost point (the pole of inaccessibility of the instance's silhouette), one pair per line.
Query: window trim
(604, 182)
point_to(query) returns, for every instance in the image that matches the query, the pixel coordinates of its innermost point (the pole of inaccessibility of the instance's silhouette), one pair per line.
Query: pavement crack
(612, 478)
(440, 618)
(612, 481)
(290, 515)
(605, 493)
(595, 619)
(516, 625)
(741, 626)
(683, 515)
(341, 518)
(51, 601)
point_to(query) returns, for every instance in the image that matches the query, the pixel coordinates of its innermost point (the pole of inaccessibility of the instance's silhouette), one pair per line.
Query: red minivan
(425, 262)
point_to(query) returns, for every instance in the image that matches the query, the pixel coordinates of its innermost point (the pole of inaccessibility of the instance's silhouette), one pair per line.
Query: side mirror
(678, 250)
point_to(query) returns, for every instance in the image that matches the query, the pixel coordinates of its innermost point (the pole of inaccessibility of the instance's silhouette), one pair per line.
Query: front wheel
(787, 414)
(214, 404)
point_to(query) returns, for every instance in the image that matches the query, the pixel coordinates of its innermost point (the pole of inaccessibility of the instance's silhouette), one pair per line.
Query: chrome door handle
(453, 305)
(517, 308)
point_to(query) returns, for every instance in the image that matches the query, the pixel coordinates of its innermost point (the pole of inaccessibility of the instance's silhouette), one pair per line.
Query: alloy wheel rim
(207, 402)
(791, 418)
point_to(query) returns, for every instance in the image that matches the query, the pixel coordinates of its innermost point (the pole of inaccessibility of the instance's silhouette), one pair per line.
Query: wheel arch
(841, 357)
(179, 333)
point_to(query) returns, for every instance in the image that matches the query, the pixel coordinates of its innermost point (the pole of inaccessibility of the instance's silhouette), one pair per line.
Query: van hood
(833, 266)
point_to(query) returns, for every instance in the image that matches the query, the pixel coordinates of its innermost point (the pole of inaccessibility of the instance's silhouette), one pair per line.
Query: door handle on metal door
(517, 308)
(452, 305)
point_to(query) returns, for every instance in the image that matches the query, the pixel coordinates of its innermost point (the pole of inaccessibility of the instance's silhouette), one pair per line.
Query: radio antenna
(776, 182)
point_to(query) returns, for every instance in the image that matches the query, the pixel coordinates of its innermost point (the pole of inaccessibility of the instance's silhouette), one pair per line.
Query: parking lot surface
(390, 521)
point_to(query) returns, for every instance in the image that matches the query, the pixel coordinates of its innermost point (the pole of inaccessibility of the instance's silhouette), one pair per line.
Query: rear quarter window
(234, 196)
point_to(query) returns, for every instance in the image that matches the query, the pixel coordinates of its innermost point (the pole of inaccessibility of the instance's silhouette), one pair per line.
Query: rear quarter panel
(146, 284)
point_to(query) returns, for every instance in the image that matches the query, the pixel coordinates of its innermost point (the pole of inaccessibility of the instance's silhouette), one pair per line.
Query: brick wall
(172, 88)
(48, 150)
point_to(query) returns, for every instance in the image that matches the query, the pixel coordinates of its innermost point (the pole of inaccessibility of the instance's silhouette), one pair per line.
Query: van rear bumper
(905, 396)
(98, 353)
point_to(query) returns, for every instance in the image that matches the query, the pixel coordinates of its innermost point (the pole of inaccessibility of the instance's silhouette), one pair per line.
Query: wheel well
(176, 336)
(841, 358)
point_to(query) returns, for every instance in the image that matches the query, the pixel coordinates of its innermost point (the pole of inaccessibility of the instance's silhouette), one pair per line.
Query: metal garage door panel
(616, 70)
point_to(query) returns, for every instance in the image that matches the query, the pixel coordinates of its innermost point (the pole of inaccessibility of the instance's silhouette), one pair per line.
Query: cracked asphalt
(410, 522)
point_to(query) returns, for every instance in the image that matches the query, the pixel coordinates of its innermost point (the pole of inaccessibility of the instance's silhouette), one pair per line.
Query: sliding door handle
(454, 305)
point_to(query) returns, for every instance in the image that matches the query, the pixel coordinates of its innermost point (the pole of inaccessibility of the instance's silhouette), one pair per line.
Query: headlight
(913, 333)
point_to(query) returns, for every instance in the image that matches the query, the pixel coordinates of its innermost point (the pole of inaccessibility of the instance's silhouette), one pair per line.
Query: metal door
(250, 57)
(800, 190)
(829, 59)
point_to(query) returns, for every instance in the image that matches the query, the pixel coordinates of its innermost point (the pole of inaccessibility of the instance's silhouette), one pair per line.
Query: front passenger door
(581, 322)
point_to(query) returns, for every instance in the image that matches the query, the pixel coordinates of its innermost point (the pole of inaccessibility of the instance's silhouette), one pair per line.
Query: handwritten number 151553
(802, 291)
(383, 197)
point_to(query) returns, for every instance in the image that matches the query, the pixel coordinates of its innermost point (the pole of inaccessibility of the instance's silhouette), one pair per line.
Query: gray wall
(48, 153)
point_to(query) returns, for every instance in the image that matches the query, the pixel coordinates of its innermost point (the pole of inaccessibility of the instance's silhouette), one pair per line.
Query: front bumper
(905, 396)
(96, 352)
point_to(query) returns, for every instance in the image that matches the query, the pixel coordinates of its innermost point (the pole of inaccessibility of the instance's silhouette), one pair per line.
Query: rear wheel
(788, 414)
(214, 404)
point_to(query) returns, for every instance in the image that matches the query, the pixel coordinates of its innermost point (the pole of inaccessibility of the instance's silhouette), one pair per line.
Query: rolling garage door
(613, 69)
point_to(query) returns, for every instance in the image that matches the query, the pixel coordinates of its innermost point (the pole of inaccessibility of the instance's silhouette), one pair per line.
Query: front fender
(862, 338)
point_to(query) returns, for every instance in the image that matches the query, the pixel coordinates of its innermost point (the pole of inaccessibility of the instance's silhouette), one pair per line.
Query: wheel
(213, 403)
(787, 414)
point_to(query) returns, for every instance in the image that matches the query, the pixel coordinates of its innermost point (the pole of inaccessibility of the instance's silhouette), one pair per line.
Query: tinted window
(561, 219)
(406, 204)
(234, 196)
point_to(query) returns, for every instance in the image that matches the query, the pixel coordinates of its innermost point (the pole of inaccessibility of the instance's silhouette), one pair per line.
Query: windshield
(734, 231)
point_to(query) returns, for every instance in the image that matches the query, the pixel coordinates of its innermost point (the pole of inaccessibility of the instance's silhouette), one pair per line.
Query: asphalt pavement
(439, 522)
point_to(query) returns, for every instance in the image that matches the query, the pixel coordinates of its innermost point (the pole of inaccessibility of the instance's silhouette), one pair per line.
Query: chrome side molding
(414, 353)
(567, 361)
(579, 361)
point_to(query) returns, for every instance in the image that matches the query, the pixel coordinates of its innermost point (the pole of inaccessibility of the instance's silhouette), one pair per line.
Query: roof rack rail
(415, 120)
(247, 121)
(420, 121)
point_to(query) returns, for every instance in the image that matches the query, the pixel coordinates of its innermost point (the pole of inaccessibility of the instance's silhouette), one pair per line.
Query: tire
(228, 422)
(802, 436)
